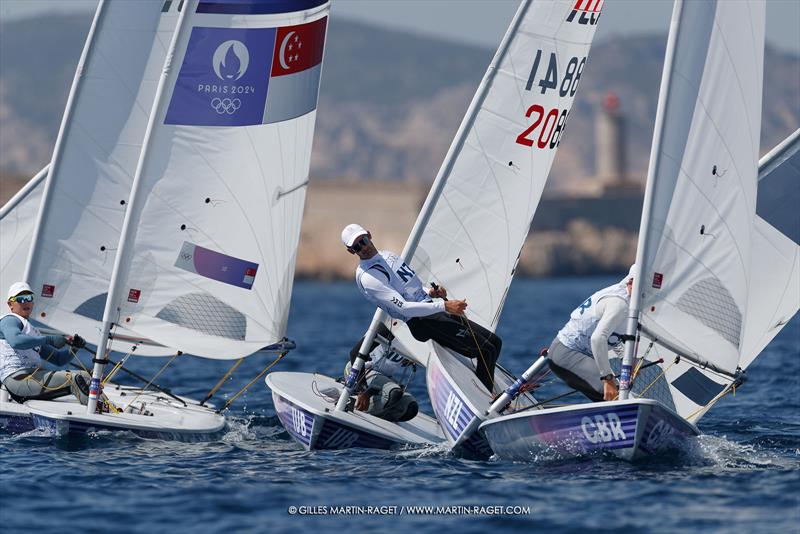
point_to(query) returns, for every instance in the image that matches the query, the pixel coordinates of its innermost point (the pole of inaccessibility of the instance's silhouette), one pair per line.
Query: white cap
(632, 273)
(352, 232)
(17, 288)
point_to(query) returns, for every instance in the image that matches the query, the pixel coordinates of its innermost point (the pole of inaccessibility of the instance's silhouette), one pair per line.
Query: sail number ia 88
(554, 120)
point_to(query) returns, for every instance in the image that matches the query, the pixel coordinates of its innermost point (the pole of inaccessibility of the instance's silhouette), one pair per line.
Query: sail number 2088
(552, 121)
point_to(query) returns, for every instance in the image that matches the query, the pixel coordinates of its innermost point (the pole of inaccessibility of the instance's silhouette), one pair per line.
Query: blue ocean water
(741, 476)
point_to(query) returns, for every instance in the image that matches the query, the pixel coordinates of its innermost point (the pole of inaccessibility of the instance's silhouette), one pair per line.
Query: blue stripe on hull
(332, 435)
(16, 424)
(336, 436)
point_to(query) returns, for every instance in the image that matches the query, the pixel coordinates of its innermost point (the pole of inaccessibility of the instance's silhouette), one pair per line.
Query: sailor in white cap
(390, 284)
(579, 353)
(24, 350)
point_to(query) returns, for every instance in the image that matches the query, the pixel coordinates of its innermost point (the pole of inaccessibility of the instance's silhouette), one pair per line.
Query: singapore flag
(295, 74)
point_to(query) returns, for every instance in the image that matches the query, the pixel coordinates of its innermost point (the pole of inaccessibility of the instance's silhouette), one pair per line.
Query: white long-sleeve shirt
(388, 283)
(592, 323)
(612, 312)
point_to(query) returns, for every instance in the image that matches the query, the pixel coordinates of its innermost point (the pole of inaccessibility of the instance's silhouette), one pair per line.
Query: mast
(23, 193)
(436, 191)
(55, 162)
(643, 242)
(129, 225)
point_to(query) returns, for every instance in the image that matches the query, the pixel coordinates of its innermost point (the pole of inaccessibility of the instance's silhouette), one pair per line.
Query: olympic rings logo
(226, 105)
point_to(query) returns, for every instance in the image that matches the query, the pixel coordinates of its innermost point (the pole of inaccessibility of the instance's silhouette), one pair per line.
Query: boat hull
(458, 416)
(305, 405)
(629, 429)
(154, 417)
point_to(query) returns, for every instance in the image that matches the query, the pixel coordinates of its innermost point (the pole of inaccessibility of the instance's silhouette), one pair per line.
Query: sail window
(93, 307)
(712, 304)
(697, 387)
(206, 314)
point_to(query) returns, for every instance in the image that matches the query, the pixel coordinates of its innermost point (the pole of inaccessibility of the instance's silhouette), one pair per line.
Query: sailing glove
(78, 342)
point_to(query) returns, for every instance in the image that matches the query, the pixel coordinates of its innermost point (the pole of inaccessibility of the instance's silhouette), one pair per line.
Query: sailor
(388, 283)
(379, 390)
(24, 350)
(579, 353)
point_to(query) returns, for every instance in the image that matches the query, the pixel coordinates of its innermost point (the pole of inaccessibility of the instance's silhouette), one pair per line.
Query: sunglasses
(22, 298)
(360, 243)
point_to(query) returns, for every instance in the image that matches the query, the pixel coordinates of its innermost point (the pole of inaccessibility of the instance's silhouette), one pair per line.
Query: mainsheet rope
(253, 381)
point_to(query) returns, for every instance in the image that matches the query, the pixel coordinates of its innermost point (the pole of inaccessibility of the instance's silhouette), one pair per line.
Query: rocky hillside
(390, 102)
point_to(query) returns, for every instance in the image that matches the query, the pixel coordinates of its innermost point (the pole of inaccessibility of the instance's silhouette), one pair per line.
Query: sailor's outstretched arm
(389, 299)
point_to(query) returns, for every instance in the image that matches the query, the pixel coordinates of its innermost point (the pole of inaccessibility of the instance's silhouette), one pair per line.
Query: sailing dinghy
(718, 269)
(95, 157)
(203, 258)
(469, 233)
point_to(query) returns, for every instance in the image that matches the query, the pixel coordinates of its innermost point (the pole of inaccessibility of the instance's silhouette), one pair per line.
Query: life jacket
(577, 333)
(13, 360)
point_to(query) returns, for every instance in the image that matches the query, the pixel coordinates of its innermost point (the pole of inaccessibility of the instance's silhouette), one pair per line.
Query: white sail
(473, 239)
(207, 256)
(17, 219)
(773, 299)
(93, 165)
(497, 167)
(775, 271)
(696, 271)
(696, 244)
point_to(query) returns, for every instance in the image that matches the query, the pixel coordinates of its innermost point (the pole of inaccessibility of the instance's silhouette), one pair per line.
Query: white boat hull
(629, 429)
(305, 404)
(16, 417)
(162, 417)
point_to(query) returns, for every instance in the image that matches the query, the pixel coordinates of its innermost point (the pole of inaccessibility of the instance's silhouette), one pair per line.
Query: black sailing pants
(462, 336)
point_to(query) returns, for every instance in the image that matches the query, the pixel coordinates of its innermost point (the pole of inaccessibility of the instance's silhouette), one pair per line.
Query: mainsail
(775, 272)
(85, 196)
(207, 253)
(697, 246)
(479, 211)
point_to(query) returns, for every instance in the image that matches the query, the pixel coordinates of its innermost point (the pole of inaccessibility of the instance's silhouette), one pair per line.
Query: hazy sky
(479, 21)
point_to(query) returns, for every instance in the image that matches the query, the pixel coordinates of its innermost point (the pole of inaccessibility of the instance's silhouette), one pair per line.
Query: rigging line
(316, 391)
(221, 381)
(561, 396)
(657, 378)
(150, 382)
(116, 368)
(712, 402)
(641, 360)
(253, 381)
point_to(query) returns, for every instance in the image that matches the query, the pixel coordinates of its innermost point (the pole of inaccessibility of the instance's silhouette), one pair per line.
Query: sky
(481, 22)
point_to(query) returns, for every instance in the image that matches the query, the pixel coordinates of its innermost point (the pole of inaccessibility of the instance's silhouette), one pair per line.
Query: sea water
(741, 475)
